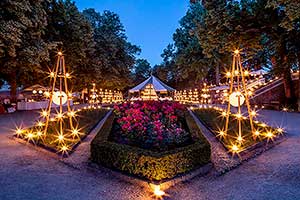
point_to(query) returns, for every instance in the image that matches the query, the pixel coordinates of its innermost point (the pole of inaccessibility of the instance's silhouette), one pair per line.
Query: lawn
(214, 120)
(85, 121)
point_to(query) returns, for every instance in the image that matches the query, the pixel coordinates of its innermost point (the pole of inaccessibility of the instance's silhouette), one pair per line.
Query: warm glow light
(39, 133)
(67, 75)
(19, 131)
(60, 137)
(44, 113)
(59, 115)
(29, 135)
(64, 149)
(75, 132)
(253, 113)
(224, 114)
(71, 113)
(222, 133)
(239, 116)
(235, 148)
(157, 191)
(257, 133)
(236, 51)
(269, 134)
(52, 74)
(246, 73)
(40, 123)
(263, 125)
(228, 74)
(57, 96)
(59, 53)
(236, 99)
(239, 139)
(279, 130)
(47, 94)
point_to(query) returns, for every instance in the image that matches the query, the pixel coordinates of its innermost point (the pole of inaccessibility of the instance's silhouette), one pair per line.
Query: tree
(22, 49)
(184, 61)
(142, 70)
(115, 55)
(69, 30)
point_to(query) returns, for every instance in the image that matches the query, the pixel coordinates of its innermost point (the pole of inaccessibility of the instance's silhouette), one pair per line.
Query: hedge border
(146, 164)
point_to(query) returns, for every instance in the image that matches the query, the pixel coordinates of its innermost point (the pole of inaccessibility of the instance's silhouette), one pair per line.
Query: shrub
(147, 164)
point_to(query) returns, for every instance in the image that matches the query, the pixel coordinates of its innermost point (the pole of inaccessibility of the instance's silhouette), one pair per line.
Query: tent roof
(36, 87)
(157, 85)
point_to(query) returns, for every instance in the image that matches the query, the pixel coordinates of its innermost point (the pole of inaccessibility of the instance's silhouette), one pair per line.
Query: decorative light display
(238, 94)
(109, 97)
(205, 96)
(94, 96)
(149, 93)
(60, 98)
(187, 97)
(61, 122)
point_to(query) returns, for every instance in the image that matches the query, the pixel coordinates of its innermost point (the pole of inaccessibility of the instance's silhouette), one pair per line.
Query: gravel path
(31, 173)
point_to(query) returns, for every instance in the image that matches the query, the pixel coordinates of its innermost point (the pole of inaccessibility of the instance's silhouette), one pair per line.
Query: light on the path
(157, 191)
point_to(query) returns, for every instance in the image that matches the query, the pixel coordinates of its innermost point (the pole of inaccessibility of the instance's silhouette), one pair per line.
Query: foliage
(146, 164)
(95, 45)
(115, 55)
(70, 32)
(142, 70)
(184, 61)
(151, 125)
(22, 28)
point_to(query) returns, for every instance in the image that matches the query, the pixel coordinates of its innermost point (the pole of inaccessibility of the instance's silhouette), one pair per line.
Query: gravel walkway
(32, 173)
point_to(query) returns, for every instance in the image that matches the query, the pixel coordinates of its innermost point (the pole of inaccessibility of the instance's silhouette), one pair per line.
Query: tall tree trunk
(218, 74)
(287, 81)
(13, 86)
(298, 99)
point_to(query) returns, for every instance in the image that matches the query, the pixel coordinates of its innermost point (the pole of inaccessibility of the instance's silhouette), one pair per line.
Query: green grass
(85, 121)
(214, 120)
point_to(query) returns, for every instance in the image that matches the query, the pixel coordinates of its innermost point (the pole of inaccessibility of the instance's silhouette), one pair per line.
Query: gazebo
(151, 89)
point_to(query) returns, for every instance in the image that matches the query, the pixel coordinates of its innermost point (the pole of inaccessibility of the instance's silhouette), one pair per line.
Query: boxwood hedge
(146, 164)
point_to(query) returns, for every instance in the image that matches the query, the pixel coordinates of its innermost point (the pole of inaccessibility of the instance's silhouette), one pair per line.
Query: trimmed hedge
(146, 164)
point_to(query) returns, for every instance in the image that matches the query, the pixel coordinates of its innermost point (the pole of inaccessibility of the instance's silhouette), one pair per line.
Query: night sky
(148, 23)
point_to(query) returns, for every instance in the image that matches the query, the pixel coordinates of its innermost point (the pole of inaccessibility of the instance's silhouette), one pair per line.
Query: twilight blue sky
(149, 24)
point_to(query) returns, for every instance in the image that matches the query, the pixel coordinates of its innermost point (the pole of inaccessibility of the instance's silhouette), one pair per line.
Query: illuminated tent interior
(152, 89)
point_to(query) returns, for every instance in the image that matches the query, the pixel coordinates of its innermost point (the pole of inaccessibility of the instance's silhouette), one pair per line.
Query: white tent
(158, 85)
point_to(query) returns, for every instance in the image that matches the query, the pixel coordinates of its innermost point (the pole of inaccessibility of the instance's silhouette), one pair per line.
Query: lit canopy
(158, 85)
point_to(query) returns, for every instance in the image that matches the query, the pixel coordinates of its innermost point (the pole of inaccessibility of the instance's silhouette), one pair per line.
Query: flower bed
(147, 150)
(151, 125)
(86, 120)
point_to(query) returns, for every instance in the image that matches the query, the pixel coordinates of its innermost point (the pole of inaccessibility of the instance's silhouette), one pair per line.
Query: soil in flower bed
(214, 120)
(153, 125)
(85, 121)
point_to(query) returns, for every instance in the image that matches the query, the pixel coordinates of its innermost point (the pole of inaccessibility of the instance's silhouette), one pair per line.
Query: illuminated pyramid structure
(59, 77)
(238, 95)
(149, 93)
